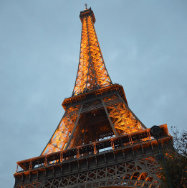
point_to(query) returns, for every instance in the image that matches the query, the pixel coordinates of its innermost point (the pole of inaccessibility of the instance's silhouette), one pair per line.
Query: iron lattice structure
(92, 73)
(99, 140)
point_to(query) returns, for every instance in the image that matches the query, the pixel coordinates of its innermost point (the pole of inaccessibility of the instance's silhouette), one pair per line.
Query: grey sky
(144, 44)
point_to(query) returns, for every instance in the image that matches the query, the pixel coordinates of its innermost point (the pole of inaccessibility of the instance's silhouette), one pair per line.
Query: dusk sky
(144, 45)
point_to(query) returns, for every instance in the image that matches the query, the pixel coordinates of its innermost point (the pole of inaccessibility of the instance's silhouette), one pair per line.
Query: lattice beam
(92, 73)
(62, 134)
(143, 172)
(122, 118)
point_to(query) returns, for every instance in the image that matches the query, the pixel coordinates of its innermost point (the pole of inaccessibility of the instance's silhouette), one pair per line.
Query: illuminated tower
(99, 141)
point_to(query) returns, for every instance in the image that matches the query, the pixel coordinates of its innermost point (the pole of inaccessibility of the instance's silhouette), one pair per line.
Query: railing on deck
(113, 143)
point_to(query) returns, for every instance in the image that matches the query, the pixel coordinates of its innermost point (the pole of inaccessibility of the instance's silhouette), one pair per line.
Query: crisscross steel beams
(92, 73)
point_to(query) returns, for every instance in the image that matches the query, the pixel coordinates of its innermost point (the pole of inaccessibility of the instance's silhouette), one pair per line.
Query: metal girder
(92, 73)
(61, 135)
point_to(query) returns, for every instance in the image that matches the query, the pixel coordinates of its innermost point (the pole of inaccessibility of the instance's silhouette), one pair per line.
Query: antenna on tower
(85, 6)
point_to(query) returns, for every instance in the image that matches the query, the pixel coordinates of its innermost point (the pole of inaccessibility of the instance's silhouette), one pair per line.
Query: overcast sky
(144, 44)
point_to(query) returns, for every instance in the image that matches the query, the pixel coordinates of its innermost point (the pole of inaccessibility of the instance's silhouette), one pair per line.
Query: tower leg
(75, 126)
(109, 119)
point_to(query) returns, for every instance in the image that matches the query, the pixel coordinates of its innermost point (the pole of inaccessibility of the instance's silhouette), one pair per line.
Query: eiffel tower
(99, 141)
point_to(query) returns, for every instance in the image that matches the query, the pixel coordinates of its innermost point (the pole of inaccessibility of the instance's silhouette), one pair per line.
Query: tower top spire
(86, 13)
(92, 73)
(86, 6)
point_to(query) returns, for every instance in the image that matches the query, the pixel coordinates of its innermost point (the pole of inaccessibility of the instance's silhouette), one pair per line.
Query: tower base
(127, 161)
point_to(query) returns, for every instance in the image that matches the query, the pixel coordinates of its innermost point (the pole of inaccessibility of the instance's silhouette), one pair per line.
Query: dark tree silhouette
(175, 167)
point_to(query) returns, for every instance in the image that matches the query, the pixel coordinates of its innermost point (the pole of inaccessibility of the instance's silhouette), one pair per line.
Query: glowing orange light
(92, 72)
(122, 118)
(63, 131)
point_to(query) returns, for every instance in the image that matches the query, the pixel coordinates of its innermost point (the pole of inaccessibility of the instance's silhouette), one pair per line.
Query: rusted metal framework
(99, 141)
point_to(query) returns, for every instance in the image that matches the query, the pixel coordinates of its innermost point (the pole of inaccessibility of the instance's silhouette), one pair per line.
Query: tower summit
(92, 73)
(99, 141)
